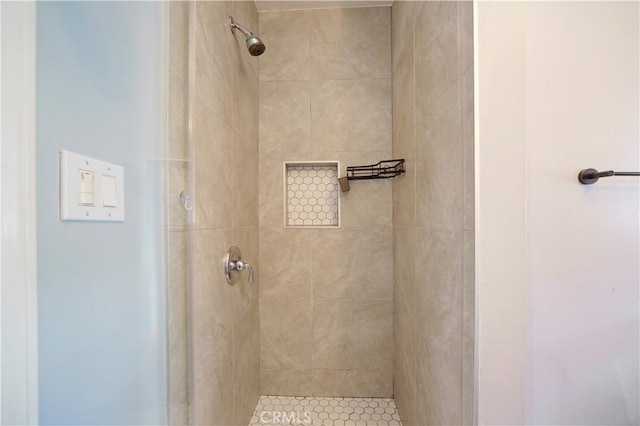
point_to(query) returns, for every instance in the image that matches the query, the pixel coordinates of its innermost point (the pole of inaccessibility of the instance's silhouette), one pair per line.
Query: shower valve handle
(233, 264)
(241, 266)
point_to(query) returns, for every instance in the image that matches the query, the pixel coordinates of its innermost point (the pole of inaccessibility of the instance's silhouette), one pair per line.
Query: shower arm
(237, 26)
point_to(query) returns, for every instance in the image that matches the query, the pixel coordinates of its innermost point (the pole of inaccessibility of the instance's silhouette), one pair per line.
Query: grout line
(462, 217)
(309, 144)
(414, 343)
(313, 389)
(233, 372)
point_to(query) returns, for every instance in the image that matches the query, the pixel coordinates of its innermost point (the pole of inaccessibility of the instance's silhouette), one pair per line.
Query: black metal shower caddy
(381, 170)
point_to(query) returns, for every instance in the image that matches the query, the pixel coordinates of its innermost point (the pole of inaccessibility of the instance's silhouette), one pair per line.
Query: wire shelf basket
(382, 170)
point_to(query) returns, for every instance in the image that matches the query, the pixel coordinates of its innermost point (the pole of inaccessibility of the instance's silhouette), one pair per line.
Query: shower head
(254, 44)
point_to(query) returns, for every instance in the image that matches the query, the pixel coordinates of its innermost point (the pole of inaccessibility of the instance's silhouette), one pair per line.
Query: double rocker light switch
(90, 189)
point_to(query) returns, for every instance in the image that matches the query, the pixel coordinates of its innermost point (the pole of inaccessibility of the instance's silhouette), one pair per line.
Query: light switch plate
(108, 205)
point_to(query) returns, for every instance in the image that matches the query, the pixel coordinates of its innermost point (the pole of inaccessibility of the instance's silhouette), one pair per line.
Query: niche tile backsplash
(311, 195)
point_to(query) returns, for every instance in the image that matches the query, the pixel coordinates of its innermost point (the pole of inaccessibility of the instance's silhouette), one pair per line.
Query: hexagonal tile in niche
(310, 188)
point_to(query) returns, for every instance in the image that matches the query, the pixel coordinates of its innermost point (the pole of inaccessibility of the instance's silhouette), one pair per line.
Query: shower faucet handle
(241, 266)
(233, 264)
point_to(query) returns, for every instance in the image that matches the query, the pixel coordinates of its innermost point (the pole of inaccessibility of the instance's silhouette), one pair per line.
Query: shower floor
(315, 411)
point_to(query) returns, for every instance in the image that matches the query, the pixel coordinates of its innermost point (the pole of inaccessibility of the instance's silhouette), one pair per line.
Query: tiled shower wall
(433, 211)
(326, 295)
(225, 319)
(176, 175)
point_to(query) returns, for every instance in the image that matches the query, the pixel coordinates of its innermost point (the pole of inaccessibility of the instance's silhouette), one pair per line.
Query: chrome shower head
(254, 44)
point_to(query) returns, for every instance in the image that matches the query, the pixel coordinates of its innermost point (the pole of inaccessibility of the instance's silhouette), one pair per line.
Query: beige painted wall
(326, 294)
(225, 319)
(433, 210)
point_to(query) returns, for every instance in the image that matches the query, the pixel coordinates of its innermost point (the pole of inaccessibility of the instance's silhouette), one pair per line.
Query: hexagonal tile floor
(317, 411)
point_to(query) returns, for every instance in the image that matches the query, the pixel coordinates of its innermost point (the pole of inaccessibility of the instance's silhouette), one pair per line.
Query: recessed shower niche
(311, 194)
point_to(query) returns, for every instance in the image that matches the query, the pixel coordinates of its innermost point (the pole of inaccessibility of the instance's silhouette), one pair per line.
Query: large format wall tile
(244, 102)
(178, 241)
(468, 327)
(178, 118)
(468, 149)
(404, 315)
(214, 71)
(438, 261)
(284, 116)
(225, 319)
(439, 161)
(433, 206)
(404, 296)
(286, 382)
(403, 78)
(439, 383)
(325, 95)
(271, 192)
(404, 381)
(404, 192)
(436, 54)
(245, 182)
(245, 172)
(286, 258)
(213, 399)
(402, 19)
(247, 240)
(353, 115)
(213, 300)
(176, 174)
(176, 181)
(353, 334)
(403, 111)
(285, 333)
(355, 261)
(179, 39)
(246, 67)
(466, 40)
(246, 365)
(351, 43)
(368, 203)
(287, 37)
(213, 145)
(439, 345)
(346, 383)
(177, 326)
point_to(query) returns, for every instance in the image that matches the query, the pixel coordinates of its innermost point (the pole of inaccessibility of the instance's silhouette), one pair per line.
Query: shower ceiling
(264, 5)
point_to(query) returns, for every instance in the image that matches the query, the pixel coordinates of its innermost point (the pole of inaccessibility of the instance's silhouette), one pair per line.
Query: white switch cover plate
(108, 200)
